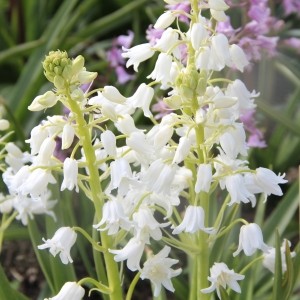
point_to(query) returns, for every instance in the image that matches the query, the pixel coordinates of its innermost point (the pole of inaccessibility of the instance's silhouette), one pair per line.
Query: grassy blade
(31, 78)
(6, 291)
(277, 287)
(282, 214)
(106, 23)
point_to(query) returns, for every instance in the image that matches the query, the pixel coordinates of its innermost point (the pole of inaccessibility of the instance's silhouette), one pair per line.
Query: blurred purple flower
(152, 34)
(291, 6)
(294, 43)
(255, 139)
(161, 108)
(115, 59)
(122, 75)
(184, 6)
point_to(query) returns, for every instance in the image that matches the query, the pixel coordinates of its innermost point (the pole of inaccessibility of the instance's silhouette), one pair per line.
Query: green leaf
(6, 290)
(277, 287)
(223, 293)
(31, 78)
(289, 274)
(282, 214)
(107, 23)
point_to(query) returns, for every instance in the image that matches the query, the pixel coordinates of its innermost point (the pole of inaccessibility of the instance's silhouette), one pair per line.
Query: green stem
(4, 224)
(84, 135)
(204, 250)
(194, 290)
(132, 286)
(95, 245)
(101, 287)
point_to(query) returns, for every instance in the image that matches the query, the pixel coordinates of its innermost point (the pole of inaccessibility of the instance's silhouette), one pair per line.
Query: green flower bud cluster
(56, 64)
(63, 71)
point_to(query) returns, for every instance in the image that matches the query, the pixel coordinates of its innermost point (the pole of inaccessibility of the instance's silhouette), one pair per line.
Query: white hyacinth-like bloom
(158, 270)
(193, 221)
(222, 276)
(114, 218)
(198, 35)
(109, 141)
(112, 94)
(165, 20)
(204, 178)
(137, 54)
(265, 181)
(270, 256)
(68, 135)
(70, 175)
(142, 99)
(183, 149)
(162, 70)
(251, 239)
(62, 242)
(44, 101)
(237, 188)
(36, 183)
(132, 252)
(37, 136)
(69, 291)
(219, 5)
(238, 57)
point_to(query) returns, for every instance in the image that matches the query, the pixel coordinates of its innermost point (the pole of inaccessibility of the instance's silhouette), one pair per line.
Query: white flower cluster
(199, 147)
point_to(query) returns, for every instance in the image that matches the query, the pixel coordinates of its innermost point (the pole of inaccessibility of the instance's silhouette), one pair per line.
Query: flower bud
(86, 77)
(164, 21)
(4, 124)
(44, 101)
(55, 63)
(70, 290)
(67, 136)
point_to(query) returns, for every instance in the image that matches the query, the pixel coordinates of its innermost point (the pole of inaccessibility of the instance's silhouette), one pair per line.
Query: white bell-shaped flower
(114, 217)
(218, 15)
(162, 70)
(37, 136)
(165, 20)
(158, 270)
(198, 35)
(183, 149)
(62, 242)
(108, 140)
(70, 175)
(193, 221)
(245, 98)
(270, 257)
(204, 178)
(219, 54)
(251, 239)
(168, 41)
(44, 101)
(137, 54)
(219, 5)
(68, 135)
(159, 177)
(265, 181)
(146, 226)
(142, 99)
(47, 148)
(238, 57)
(233, 141)
(222, 276)
(238, 190)
(112, 94)
(132, 252)
(36, 182)
(69, 291)
(4, 124)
